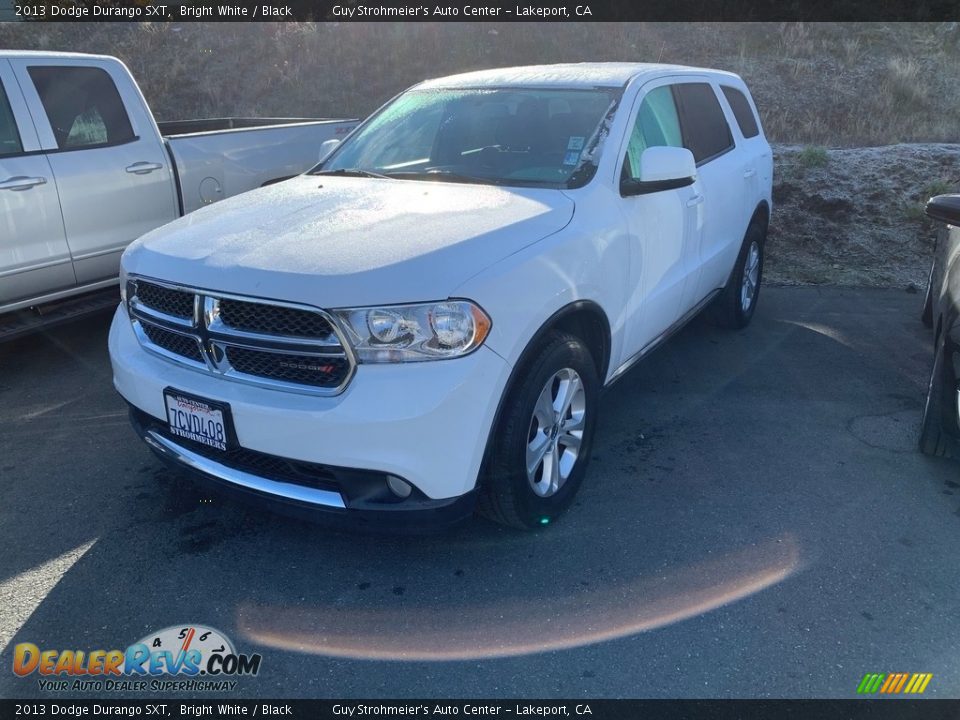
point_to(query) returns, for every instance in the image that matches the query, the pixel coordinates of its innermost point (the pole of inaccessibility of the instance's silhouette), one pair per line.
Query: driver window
(657, 126)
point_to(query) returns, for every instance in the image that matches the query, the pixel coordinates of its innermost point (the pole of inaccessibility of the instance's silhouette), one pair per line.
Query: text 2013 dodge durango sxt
(422, 323)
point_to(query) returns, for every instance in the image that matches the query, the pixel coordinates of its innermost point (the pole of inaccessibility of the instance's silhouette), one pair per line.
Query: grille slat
(273, 319)
(169, 301)
(183, 345)
(252, 341)
(300, 369)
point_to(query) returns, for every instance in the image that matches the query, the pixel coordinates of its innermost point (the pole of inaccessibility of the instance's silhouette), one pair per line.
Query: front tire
(542, 442)
(735, 306)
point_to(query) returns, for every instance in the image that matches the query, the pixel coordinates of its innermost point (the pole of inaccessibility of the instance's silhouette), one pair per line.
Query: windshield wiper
(353, 172)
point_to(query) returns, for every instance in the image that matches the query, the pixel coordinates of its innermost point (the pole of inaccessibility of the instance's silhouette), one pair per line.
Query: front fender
(522, 292)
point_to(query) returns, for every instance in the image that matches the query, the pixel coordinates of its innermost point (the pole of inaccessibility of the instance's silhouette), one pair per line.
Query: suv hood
(339, 242)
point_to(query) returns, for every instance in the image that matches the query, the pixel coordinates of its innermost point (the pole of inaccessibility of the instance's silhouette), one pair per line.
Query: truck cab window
(82, 105)
(9, 136)
(657, 126)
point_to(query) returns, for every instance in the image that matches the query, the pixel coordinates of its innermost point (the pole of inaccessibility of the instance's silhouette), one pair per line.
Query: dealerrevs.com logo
(181, 657)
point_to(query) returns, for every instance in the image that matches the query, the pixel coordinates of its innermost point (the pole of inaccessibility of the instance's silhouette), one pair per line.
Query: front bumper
(426, 423)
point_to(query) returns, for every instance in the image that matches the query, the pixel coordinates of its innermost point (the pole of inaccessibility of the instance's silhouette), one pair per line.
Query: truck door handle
(143, 168)
(749, 174)
(22, 183)
(695, 200)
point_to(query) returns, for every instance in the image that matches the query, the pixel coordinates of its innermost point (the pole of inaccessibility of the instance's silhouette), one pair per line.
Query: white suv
(422, 323)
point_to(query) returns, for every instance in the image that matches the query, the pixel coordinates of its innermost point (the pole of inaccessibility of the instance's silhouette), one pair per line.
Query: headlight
(410, 333)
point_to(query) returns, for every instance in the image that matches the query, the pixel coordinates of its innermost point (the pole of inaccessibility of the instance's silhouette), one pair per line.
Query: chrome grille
(182, 345)
(166, 300)
(277, 345)
(317, 370)
(254, 317)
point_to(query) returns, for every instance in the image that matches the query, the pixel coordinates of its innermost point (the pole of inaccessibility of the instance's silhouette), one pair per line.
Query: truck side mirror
(327, 147)
(661, 168)
(945, 208)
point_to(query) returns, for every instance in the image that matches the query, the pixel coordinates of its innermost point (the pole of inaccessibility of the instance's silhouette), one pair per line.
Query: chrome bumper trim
(197, 462)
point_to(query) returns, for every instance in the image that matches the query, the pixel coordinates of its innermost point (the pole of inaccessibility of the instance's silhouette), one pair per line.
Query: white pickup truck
(424, 321)
(85, 170)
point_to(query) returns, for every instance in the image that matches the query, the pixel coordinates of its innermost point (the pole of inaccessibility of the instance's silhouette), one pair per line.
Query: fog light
(398, 487)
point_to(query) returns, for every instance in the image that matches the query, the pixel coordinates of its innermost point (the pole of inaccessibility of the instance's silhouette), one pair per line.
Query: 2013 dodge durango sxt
(422, 323)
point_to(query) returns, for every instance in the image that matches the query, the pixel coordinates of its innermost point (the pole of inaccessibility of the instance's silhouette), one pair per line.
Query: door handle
(143, 168)
(695, 200)
(749, 174)
(22, 183)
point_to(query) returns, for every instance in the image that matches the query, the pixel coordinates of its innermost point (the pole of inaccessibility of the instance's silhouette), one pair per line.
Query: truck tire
(926, 315)
(933, 439)
(735, 306)
(541, 445)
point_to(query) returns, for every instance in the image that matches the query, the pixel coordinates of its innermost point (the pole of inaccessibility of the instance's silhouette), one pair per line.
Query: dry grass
(819, 84)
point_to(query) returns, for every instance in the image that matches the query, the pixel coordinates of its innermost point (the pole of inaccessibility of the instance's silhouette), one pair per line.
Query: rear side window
(9, 136)
(657, 125)
(705, 130)
(83, 106)
(741, 111)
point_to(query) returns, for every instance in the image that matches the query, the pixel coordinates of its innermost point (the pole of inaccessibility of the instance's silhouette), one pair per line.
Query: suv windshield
(501, 136)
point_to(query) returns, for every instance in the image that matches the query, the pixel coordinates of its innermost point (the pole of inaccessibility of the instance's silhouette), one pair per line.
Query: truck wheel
(933, 439)
(926, 315)
(541, 445)
(735, 306)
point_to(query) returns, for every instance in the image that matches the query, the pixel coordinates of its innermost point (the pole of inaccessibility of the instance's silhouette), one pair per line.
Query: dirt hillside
(854, 216)
(851, 216)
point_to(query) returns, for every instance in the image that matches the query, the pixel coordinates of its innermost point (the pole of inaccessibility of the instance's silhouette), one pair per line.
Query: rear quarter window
(741, 111)
(705, 130)
(82, 105)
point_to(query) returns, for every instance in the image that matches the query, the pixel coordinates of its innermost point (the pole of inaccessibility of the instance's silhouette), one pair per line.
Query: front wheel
(541, 445)
(735, 306)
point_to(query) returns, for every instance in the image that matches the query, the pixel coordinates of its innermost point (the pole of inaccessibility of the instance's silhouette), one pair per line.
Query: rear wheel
(926, 315)
(541, 445)
(735, 306)
(937, 410)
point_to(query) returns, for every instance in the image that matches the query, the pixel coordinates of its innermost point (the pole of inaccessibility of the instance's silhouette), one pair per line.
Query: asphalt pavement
(756, 522)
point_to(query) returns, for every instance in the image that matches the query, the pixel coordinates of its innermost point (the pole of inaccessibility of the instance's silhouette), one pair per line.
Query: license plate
(193, 418)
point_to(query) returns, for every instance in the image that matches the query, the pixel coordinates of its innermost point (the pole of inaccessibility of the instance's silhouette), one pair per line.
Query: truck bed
(171, 128)
(220, 157)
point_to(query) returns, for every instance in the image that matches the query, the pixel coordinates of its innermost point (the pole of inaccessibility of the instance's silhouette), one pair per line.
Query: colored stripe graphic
(894, 683)
(903, 680)
(870, 683)
(918, 683)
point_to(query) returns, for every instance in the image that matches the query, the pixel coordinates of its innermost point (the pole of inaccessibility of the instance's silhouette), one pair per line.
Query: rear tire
(737, 302)
(933, 439)
(926, 315)
(542, 442)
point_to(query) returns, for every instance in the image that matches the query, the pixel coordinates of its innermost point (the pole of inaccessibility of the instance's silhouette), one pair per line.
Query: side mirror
(327, 147)
(945, 208)
(662, 168)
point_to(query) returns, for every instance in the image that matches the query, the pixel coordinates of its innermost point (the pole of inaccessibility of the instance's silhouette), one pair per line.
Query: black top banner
(476, 709)
(487, 10)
